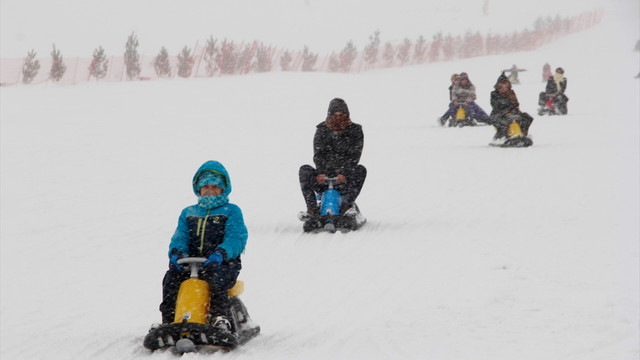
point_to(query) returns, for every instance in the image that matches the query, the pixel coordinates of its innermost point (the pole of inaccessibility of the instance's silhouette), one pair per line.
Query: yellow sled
(461, 115)
(461, 119)
(192, 303)
(515, 137)
(191, 325)
(514, 130)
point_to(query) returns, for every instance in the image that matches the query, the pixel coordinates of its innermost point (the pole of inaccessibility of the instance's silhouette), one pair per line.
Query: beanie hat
(338, 105)
(211, 178)
(502, 79)
(464, 76)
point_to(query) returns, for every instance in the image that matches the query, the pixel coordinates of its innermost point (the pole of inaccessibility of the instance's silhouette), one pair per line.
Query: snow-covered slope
(470, 252)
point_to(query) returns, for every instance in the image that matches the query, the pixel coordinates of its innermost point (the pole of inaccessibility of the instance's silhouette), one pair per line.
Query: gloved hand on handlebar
(173, 261)
(214, 259)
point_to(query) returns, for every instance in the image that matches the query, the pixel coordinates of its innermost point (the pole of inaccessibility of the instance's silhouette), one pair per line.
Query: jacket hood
(215, 167)
(502, 79)
(337, 105)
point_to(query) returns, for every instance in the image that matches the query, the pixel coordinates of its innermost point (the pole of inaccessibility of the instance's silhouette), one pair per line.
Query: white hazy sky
(77, 27)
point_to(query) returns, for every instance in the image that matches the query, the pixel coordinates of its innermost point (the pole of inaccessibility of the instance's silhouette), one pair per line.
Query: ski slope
(469, 252)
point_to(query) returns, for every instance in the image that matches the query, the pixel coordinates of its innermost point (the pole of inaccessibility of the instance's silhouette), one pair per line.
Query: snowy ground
(470, 252)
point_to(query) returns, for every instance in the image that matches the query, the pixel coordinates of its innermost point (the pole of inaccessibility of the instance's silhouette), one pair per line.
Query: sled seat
(514, 130)
(237, 289)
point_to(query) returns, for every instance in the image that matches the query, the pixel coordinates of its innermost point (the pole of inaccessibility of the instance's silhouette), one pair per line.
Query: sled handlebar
(191, 260)
(194, 264)
(331, 181)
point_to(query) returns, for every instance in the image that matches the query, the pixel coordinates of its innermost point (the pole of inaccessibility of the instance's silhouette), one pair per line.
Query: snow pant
(473, 110)
(349, 190)
(560, 100)
(220, 281)
(542, 98)
(447, 114)
(562, 103)
(502, 124)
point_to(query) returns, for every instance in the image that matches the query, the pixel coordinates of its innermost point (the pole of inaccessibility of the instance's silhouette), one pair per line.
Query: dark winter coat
(201, 231)
(504, 110)
(337, 153)
(552, 86)
(503, 105)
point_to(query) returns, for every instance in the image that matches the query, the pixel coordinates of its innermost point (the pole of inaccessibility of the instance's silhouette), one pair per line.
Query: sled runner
(192, 326)
(551, 106)
(461, 119)
(330, 219)
(515, 137)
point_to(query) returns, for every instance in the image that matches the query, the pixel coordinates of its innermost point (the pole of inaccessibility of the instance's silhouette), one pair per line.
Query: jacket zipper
(201, 225)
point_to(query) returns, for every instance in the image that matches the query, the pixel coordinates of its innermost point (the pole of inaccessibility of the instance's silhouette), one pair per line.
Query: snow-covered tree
(404, 52)
(492, 44)
(185, 62)
(99, 64)
(308, 60)
(30, 67)
(58, 68)
(420, 50)
(227, 57)
(245, 58)
(348, 56)
(372, 49)
(434, 49)
(334, 63)
(209, 56)
(471, 45)
(264, 62)
(285, 61)
(161, 63)
(132, 58)
(448, 47)
(388, 54)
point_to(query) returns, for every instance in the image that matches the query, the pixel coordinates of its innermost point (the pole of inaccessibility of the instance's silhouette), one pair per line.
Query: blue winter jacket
(200, 231)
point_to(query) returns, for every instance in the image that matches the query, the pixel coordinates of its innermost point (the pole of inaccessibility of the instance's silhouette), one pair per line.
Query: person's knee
(306, 170)
(306, 173)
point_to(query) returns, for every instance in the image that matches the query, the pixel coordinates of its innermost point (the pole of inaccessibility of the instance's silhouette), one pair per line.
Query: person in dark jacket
(337, 147)
(214, 229)
(556, 86)
(505, 109)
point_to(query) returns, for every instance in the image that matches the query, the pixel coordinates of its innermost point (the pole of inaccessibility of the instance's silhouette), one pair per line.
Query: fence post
(75, 73)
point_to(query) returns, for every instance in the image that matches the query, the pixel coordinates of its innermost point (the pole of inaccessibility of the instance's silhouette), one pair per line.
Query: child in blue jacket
(214, 229)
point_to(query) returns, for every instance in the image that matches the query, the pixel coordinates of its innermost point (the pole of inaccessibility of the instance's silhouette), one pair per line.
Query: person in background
(337, 148)
(513, 74)
(464, 94)
(443, 119)
(546, 72)
(555, 90)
